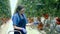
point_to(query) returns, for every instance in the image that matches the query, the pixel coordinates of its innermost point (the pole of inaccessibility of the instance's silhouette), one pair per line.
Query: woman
(19, 20)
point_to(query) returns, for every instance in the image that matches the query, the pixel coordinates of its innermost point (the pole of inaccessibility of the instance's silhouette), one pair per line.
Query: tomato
(31, 20)
(58, 21)
(40, 26)
(46, 16)
(4, 19)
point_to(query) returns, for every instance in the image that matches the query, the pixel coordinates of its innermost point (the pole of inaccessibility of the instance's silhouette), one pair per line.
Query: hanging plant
(5, 12)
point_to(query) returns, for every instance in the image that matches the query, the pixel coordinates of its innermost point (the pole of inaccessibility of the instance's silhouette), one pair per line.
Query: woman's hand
(29, 24)
(24, 30)
(19, 28)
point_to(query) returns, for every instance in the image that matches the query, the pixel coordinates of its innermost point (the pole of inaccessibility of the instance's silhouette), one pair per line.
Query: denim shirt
(18, 21)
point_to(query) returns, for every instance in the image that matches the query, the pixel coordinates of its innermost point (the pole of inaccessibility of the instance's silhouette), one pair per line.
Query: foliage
(5, 9)
(38, 7)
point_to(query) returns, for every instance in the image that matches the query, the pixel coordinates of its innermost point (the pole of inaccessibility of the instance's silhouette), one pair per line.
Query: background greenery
(5, 9)
(38, 7)
(33, 7)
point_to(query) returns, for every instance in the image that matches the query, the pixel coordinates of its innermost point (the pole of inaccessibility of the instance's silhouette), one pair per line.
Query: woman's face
(22, 11)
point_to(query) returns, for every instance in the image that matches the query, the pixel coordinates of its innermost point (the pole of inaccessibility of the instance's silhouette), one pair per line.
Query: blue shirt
(17, 20)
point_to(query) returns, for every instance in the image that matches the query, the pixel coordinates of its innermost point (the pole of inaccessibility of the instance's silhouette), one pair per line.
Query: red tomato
(40, 26)
(58, 21)
(46, 16)
(4, 19)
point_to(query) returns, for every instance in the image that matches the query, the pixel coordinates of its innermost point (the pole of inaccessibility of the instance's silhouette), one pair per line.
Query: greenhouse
(30, 16)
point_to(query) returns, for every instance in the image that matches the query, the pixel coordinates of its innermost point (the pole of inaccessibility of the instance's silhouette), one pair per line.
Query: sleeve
(15, 20)
(26, 19)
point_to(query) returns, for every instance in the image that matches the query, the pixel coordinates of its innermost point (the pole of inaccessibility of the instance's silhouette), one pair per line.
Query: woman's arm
(15, 22)
(18, 28)
(29, 24)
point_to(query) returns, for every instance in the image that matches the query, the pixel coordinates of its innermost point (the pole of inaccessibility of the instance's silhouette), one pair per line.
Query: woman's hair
(18, 9)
